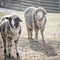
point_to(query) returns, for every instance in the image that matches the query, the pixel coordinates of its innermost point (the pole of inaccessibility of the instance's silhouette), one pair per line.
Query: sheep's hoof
(43, 41)
(29, 38)
(35, 40)
(17, 54)
(4, 50)
(9, 55)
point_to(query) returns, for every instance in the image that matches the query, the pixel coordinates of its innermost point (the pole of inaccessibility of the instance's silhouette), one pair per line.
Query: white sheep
(10, 29)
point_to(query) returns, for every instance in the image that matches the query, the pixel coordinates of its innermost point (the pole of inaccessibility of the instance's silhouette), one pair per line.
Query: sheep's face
(12, 23)
(15, 22)
(39, 16)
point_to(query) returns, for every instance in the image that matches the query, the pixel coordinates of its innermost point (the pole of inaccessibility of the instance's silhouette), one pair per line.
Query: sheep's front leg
(42, 30)
(16, 47)
(36, 34)
(9, 46)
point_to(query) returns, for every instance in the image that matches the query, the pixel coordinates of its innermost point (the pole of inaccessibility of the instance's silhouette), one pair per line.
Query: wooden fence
(49, 5)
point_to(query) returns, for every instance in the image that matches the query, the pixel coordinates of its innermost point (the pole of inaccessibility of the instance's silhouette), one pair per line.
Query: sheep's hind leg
(4, 43)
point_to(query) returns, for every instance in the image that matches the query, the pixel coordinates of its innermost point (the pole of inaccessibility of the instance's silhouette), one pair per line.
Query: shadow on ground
(11, 58)
(42, 47)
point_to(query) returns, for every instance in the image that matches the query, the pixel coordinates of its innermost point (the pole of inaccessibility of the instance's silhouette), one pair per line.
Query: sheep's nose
(39, 22)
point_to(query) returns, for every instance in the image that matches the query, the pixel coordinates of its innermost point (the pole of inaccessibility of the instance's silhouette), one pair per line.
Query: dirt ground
(36, 50)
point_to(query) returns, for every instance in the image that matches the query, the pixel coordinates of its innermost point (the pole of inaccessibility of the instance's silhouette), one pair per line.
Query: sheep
(35, 18)
(10, 29)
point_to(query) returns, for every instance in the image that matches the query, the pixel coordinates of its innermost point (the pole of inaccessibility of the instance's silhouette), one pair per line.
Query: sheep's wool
(15, 32)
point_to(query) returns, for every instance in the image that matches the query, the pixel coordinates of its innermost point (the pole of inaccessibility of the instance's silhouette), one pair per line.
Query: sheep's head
(40, 12)
(39, 15)
(13, 19)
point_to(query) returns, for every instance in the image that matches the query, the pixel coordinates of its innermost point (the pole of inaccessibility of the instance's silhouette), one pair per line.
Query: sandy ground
(36, 50)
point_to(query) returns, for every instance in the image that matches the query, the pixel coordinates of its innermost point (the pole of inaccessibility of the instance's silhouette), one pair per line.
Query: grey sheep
(35, 18)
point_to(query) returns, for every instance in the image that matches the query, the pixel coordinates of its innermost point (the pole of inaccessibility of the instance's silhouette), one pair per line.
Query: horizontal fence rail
(49, 5)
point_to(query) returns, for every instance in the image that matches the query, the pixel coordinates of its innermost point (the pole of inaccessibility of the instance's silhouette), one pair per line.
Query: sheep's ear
(6, 17)
(9, 18)
(19, 19)
(45, 11)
